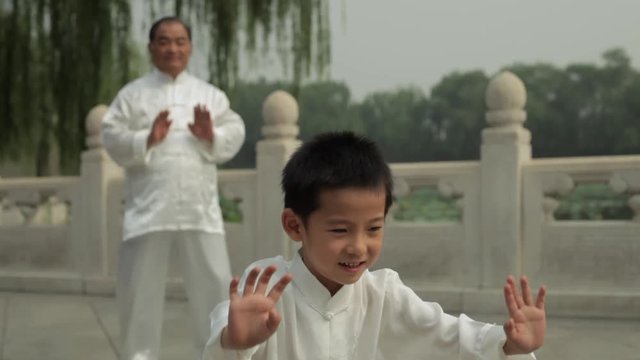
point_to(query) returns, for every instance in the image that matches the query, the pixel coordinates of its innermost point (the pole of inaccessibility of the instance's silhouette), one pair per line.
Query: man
(168, 130)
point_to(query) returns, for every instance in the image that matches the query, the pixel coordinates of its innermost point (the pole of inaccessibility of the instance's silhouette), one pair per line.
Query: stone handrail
(37, 201)
(506, 199)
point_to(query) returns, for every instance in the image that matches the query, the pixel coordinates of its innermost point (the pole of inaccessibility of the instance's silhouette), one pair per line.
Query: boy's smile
(343, 237)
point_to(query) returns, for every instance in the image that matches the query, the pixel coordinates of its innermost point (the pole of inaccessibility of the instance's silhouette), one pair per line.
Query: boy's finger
(263, 282)
(509, 300)
(273, 320)
(526, 291)
(279, 287)
(509, 328)
(249, 284)
(233, 288)
(540, 299)
(514, 291)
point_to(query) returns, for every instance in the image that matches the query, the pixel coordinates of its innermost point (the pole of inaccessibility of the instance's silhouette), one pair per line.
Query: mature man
(168, 130)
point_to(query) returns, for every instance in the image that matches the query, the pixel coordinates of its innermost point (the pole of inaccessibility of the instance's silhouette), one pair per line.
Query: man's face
(344, 236)
(170, 48)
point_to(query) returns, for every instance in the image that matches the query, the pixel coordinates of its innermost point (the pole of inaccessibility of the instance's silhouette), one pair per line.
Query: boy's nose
(357, 245)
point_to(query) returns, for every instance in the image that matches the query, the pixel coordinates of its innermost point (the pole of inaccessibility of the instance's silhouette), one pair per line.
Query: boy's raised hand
(253, 316)
(527, 320)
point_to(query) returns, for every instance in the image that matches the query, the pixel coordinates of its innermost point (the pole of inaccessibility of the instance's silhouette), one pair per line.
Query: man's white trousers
(142, 270)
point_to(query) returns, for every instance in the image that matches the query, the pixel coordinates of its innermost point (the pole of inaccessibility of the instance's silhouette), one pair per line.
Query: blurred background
(410, 74)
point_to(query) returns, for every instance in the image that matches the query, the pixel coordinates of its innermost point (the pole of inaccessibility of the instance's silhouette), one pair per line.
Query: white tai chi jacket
(173, 185)
(378, 317)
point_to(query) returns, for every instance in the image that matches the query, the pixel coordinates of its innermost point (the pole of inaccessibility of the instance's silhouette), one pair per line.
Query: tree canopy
(59, 58)
(577, 110)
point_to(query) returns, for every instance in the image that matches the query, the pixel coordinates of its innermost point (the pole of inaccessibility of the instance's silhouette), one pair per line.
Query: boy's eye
(375, 228)
(338, 231)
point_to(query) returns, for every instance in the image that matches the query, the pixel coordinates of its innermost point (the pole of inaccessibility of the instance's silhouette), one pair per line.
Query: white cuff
(140, 152)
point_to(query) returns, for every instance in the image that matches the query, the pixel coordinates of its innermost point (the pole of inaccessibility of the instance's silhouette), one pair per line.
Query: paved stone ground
(64, 327)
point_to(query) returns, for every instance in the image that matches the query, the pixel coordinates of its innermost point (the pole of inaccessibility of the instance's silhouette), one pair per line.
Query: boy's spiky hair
(333, 160)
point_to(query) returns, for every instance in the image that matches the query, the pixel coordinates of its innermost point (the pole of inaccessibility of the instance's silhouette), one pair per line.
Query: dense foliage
(579, 110)
(59, 58)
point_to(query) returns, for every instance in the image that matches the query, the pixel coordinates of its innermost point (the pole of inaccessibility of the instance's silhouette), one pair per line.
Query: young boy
(337, 191)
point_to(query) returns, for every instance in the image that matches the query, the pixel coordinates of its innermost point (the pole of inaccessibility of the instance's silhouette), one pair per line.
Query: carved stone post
(280, 131)
(628, 182)
(506, 147)
(91, 216)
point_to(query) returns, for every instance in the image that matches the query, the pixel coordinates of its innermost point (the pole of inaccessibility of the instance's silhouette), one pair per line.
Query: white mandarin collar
(315, 294)
(164, 77)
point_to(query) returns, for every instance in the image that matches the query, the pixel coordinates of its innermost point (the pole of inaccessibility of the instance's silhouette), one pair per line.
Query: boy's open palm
(253, 316)
(527, 320)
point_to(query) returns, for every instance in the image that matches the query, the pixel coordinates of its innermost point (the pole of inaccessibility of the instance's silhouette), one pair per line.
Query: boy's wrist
(510, 348)
(224, 341)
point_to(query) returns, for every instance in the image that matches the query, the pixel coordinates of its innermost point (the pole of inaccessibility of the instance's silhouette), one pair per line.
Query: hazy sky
(383, 44)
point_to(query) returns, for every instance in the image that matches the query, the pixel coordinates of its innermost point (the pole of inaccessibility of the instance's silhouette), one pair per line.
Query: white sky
(388, 43)
(383, 44)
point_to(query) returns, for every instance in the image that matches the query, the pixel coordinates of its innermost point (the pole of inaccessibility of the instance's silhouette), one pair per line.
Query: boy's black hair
(167, 19)
(333, 160)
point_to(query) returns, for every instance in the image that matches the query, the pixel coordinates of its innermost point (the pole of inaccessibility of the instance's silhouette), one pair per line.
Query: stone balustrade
(62, 234)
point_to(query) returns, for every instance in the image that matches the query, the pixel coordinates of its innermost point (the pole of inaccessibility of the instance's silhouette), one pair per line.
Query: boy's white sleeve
(214, 349)
(414, 328)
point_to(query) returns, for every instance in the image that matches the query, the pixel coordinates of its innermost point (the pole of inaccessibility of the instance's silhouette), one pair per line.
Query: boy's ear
(292, 224)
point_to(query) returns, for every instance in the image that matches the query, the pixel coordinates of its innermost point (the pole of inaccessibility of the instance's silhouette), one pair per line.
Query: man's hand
(202, 127)
(253, 316)
(159, 129)
(527, 320)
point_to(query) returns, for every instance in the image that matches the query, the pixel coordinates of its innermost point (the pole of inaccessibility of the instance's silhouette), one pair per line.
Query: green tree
(547, 107)
(59, 58)
(247, 99)
(564, 106)
(584, 109)
(323, 106)
(455, 117)
(326, 106)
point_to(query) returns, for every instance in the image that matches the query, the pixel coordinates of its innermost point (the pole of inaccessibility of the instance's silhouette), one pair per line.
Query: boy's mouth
(352, 266)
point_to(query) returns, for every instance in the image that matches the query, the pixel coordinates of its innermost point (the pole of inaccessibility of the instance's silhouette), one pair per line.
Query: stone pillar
(90, 217)
(628, 182)
(506, 147)
(280, 131)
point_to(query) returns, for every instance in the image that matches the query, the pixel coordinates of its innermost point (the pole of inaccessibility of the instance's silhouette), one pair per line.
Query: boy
(337, 192)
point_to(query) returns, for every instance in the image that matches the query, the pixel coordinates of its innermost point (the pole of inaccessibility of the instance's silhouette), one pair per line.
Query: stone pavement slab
(67, 327)
(176, 334)
(586, 339)
(3, 311)
(53, 328)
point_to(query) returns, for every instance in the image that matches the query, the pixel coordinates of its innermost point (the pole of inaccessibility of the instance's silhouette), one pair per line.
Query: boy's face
(343, 237)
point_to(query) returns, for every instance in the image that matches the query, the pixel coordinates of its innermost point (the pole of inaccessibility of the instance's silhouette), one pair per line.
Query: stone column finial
(280, 130)
(92, 125)
(280, 114)
(505, 150)
(505, 98)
